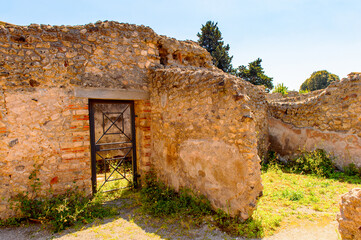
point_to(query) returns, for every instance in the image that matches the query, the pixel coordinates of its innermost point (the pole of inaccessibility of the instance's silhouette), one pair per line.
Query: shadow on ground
(129, 224)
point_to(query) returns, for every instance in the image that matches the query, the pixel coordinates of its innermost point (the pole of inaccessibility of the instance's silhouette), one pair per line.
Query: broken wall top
(336, 108)
(102, 55)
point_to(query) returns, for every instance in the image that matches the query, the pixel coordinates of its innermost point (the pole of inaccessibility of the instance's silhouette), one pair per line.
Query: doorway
(113, 145)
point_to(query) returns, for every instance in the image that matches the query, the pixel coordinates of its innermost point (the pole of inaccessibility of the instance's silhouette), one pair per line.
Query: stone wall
(291, 96)
(105, 54)
(204, 135)
(330, 120)
(47, 75)
(349, 218)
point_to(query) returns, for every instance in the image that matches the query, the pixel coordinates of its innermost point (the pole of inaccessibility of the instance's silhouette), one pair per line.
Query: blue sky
(293, 37)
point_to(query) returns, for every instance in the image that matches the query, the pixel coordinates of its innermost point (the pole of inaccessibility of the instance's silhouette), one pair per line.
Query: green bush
(352, 169)
(160, 200)
(317, 162)
(63, 210)
(251, 228)
(280, 88)
(59, 211)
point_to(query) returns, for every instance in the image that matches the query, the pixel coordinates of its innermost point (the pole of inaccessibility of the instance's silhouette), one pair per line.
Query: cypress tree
(210, 38)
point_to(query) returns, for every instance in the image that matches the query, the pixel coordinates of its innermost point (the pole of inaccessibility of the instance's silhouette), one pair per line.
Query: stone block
(349, 218)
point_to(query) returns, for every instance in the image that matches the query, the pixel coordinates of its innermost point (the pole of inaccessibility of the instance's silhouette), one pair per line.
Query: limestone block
(349, 218)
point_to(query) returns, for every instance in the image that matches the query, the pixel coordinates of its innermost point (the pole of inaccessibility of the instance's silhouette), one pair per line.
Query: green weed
(159, 200)
(60, 211)
(317, 162)
(292, 195)
(280, 88)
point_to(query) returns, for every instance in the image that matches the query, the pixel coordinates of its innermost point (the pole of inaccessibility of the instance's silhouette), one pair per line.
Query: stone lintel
(114, 94)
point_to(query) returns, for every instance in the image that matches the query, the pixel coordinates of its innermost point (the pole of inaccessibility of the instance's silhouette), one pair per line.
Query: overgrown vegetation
(300, 191)
(161, 201)
(317, 163)
(62, 211)
(280, 88)
(306, 190)
(59, 211)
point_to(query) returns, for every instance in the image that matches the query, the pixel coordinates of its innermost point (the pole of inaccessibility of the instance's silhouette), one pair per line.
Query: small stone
(71, 54)
(20, 168)
(92, 38)
(12, 143)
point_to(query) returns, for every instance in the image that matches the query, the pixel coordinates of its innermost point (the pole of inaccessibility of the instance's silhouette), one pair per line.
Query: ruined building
(72, 97)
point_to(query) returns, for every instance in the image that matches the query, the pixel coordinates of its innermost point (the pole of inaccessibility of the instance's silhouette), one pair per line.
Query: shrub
(316, 162)
(280, 88)
(63, 210)
(160, 200)
(352, 170)
(251, 228)
(59, 211)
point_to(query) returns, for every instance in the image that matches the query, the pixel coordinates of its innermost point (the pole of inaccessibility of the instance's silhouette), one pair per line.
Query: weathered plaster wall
(204, 136)
(330, 120)
(44, 72)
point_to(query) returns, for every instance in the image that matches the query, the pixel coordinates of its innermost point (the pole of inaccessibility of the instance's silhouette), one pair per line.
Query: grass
(307, 189)
(293, 194)
(290, 197)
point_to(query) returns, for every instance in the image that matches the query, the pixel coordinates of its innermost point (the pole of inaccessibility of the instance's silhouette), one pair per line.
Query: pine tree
(211, 39)
(254, 74)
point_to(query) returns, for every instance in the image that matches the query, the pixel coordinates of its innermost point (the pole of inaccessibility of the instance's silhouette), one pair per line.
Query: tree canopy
(254, 74)
(318, 80)
(210, 38)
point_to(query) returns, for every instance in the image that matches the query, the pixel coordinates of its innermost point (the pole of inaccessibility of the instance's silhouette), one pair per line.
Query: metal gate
(113, 150)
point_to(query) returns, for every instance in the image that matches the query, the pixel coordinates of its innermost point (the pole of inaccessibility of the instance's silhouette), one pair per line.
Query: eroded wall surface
(201, 128)
(330, 120)
(44, 123)
(204, 136)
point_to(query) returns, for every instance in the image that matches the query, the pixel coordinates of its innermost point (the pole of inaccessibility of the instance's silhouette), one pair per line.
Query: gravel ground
(127, 229)
(129, 225)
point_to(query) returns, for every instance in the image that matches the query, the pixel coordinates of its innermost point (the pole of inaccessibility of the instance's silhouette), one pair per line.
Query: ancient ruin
(192, 124)
(350, 217)
(328, 119)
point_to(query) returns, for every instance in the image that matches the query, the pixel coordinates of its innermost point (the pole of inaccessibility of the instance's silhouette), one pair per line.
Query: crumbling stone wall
(204, 136)
(349, 218)
(291, 96)
(330, 120)
(44, 72)
(201, 128)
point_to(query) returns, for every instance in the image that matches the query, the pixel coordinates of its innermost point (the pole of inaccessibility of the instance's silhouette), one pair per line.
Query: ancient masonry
(196, 126)
(350, 217)
(328, 119)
